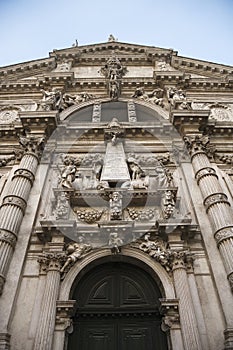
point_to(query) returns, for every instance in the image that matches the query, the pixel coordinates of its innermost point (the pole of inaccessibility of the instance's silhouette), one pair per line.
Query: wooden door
(117, 310)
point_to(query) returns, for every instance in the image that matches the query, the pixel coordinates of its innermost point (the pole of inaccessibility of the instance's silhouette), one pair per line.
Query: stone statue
(114, 89)
(111, 38)
(168, 204)
(156, 249)
(75, 252)
(155, 97)
(115, 204)
(51, 100)
(68, 175)
(177, 98)
(115, 242)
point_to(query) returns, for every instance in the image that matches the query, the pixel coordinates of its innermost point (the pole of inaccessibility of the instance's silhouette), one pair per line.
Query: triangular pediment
(149, 61)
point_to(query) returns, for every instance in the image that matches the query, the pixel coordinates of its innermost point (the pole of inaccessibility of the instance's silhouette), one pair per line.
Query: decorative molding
(8, 237)
(223, 234)
(16, 201)
(214, 199)
(205, 172)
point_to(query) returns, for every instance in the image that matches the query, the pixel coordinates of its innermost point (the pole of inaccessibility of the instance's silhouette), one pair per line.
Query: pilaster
(188, 320)
(53, 260)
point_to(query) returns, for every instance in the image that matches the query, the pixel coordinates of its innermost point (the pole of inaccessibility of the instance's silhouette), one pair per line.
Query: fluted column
(188, 320)
(215, 200)
(46, 324)
(14, 203)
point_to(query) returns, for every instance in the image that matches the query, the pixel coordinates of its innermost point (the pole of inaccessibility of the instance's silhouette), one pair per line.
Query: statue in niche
(115, 242)
(135, 169)
(162, 177)
(68, 174)
(51, 100)
(75, 252)
(114, 89)
(115, 204)
(113, 72)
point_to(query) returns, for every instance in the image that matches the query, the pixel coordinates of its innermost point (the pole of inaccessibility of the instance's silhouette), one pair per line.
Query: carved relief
(221, 112)
(163, 66)
(115, 205)
(132, 117)
(168, 203)
(89, 216)
(63, 66)
(62, 208)
(218, 111)
(9, 115)
(141, 215)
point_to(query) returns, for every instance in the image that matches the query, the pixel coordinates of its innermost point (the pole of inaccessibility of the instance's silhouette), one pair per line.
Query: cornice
(22, 70)
(201, 67)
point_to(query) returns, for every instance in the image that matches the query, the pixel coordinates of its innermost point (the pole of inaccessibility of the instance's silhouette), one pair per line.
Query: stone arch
(134, 256)
(72, 109)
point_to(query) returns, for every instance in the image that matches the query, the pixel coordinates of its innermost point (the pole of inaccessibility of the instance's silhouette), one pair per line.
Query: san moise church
(116, 184)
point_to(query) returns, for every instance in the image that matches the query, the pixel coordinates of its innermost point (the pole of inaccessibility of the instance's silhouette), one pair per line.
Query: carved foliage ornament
(32, 144)
(196, 143)
(158, 250)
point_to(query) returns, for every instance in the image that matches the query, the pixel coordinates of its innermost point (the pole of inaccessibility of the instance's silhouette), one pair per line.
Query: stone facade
(119, 152)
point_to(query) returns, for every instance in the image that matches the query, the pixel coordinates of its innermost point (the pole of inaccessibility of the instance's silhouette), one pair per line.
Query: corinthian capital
(197, 143)
(181, 260)
(32, 144)
(51, 261)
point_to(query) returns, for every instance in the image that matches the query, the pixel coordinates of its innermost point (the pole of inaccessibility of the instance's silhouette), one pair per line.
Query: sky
(201, 29)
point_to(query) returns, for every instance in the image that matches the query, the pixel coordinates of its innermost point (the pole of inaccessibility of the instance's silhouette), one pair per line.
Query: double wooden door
(117, 310)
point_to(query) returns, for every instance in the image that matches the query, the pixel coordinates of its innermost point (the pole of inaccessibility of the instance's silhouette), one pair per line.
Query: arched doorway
(118, 309)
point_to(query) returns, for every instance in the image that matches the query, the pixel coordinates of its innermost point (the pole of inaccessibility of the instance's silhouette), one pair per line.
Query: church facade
(116, 221)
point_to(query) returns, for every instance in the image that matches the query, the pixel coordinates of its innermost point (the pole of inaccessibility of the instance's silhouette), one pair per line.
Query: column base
(4, 341)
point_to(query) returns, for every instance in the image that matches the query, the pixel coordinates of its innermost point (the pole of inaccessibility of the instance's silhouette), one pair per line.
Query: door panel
(93, 336)
(117, 334)
(117, 310)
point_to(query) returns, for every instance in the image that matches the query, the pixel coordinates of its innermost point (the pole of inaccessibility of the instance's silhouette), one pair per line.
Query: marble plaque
(115, 167)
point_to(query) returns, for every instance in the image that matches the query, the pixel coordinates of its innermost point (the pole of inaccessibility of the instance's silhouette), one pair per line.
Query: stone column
(188, 320)
(14, 203)
(215, 200)
(46, 324)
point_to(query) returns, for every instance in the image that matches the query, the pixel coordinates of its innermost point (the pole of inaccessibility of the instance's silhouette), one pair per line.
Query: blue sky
(201, 29)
